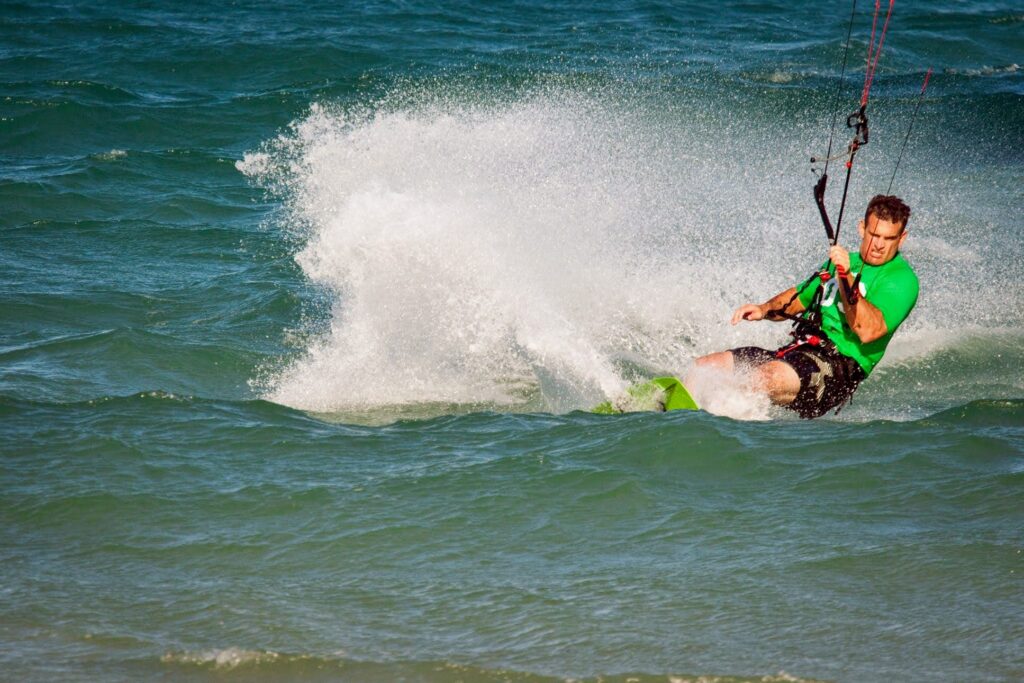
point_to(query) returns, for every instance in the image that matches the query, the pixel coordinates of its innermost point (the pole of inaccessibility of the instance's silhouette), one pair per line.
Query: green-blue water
(300, 305)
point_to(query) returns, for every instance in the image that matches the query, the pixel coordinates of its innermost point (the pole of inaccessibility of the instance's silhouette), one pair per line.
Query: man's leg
(775, 378)
(779, 380)
(723, 360)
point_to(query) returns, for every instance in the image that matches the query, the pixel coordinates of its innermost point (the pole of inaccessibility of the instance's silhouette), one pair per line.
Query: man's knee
(779, 380)
(723, 360)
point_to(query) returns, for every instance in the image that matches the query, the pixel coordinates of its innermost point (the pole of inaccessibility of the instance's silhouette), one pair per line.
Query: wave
(268, 665)
(987, 70)
(156, 405)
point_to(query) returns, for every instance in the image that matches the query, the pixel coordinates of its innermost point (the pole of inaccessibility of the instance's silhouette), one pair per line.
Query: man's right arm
(785, 302)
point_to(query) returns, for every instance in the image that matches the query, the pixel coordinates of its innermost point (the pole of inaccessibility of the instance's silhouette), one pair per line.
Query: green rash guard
(891, 288)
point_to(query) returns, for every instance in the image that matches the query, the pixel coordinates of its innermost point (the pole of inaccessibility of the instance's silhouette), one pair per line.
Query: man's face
(880, 240)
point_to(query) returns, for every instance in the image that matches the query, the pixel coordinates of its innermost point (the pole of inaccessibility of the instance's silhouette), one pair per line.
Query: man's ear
(903, 238)
(860, 228)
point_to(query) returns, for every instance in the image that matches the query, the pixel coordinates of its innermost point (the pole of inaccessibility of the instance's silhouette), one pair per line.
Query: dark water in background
(239, 241)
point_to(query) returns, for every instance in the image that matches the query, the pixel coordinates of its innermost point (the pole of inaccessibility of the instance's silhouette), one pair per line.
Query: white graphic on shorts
(817, 379)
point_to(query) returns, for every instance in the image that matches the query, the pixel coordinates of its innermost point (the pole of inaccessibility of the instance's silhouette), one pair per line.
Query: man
(819, 372)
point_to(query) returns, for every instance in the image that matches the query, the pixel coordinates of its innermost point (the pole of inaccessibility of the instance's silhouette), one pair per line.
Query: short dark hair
(890, 208)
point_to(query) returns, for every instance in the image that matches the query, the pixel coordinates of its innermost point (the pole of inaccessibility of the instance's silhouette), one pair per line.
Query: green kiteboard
(659, 394)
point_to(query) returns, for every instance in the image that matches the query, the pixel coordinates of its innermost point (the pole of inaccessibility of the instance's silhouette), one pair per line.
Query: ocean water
(302, 306)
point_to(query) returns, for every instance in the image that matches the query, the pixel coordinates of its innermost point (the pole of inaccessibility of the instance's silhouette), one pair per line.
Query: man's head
(884, 229)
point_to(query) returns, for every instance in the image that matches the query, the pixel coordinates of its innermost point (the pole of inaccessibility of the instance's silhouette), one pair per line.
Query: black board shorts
(827, 377)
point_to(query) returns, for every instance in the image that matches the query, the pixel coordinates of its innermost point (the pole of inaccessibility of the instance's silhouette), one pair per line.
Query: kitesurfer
(864, 298)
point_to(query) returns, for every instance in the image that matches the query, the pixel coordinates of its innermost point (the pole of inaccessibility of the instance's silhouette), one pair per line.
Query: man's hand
(748, 312)
(841, 258)
(780, 307)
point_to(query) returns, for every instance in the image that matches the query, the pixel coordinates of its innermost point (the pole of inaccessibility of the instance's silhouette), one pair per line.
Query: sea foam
(537, 253)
